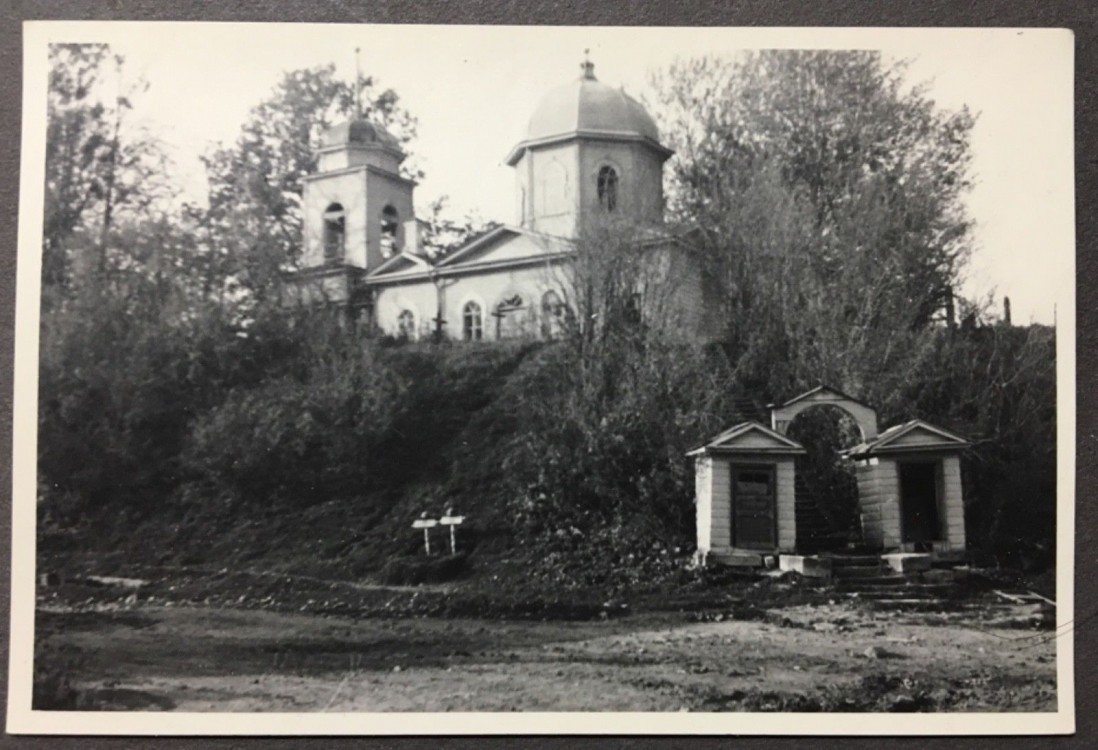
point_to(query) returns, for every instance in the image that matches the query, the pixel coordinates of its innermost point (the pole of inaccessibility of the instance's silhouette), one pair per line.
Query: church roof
(589, 107)
(358, 131)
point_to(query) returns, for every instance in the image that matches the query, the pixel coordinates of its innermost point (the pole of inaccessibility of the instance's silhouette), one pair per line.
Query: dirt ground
(839, 656)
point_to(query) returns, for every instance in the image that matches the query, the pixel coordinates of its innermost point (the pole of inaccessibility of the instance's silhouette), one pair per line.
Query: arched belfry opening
(335, 231)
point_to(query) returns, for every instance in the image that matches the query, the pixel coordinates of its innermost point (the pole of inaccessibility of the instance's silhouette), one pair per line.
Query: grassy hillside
(311, 450)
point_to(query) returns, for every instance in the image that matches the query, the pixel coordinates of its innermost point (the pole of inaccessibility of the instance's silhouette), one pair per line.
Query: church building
(589, 167)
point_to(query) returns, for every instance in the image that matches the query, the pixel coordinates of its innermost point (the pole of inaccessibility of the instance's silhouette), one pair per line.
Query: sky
(474, 88)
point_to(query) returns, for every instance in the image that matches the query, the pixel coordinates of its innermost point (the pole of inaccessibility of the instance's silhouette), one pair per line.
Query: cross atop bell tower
(357, 204)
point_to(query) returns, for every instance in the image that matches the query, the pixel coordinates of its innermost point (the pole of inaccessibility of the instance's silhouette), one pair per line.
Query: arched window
(553, 314)
(334, 231)
(608, 188)
(472, 322)
(390, 224)
(406, 325)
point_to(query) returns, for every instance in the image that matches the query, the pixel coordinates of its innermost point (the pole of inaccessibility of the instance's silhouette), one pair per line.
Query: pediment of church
(403, 264)
(500, 247)
(503, 244)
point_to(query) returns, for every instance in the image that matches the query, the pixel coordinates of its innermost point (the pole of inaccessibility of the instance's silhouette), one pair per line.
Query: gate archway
(826, 421)
(862, 413)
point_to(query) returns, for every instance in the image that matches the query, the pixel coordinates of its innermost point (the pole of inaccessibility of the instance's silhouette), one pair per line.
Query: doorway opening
(919, 519)
(754, 508)
(826, 486)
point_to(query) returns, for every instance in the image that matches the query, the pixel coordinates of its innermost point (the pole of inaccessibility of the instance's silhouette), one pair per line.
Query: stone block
(736, 559)
(907, 562)
(807, 565)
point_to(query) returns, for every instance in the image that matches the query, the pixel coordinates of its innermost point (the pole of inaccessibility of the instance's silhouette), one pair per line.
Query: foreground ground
(836, 654)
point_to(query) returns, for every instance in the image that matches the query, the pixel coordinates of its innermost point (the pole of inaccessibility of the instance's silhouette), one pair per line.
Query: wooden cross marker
(452, 521)
(425, 523)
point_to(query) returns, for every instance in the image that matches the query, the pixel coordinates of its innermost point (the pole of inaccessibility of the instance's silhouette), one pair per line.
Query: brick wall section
(869, 501)
(787, 512)
(879, 498)
(953, 502)
(888, 493)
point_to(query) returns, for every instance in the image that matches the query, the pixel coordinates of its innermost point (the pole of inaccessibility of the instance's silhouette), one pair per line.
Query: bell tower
(357, 203)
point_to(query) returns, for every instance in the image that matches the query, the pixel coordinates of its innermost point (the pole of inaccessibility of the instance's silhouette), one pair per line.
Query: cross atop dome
(587, 66)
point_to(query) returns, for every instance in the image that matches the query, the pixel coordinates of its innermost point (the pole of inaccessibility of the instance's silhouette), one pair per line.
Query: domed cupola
(358, 141)
(588, 107)
(590, 151)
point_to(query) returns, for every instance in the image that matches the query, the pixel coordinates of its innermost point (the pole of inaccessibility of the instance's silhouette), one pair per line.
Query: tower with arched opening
(353, 208)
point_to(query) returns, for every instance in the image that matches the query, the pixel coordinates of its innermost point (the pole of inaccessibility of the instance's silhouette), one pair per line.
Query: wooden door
(753, 507)
(919, 502)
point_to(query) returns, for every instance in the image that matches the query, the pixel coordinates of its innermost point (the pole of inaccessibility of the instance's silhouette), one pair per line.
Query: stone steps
(852, 572)
(909, 604)
(900, 593)
(893, 584)
(865, 576)
(854, 560)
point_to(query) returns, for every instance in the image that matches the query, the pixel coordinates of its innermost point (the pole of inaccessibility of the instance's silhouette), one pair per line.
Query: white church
(591, 160)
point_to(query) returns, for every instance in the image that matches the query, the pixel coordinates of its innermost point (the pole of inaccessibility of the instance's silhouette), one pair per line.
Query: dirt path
(831, 658)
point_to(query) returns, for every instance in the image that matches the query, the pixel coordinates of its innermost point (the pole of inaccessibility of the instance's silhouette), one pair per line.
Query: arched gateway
(822, 395)
(908, 478)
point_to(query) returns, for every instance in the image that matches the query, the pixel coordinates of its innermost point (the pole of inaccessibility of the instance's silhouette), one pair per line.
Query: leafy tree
(441, 232)
(605, 415)
(830, 196)
(99, 168)
(996, 384)
(256, 184)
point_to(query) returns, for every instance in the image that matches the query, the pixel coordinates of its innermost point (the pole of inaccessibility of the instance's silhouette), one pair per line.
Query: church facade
(589, 170)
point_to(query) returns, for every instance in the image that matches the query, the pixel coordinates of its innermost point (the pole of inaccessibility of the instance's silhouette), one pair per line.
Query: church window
(608, 188)
(390, 223)
(406, 325)
(472, 322)
(334, 231)
(553, 313)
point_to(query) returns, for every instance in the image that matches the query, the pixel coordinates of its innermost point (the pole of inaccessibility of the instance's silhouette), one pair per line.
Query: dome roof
(359, 132)
(587, 106)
